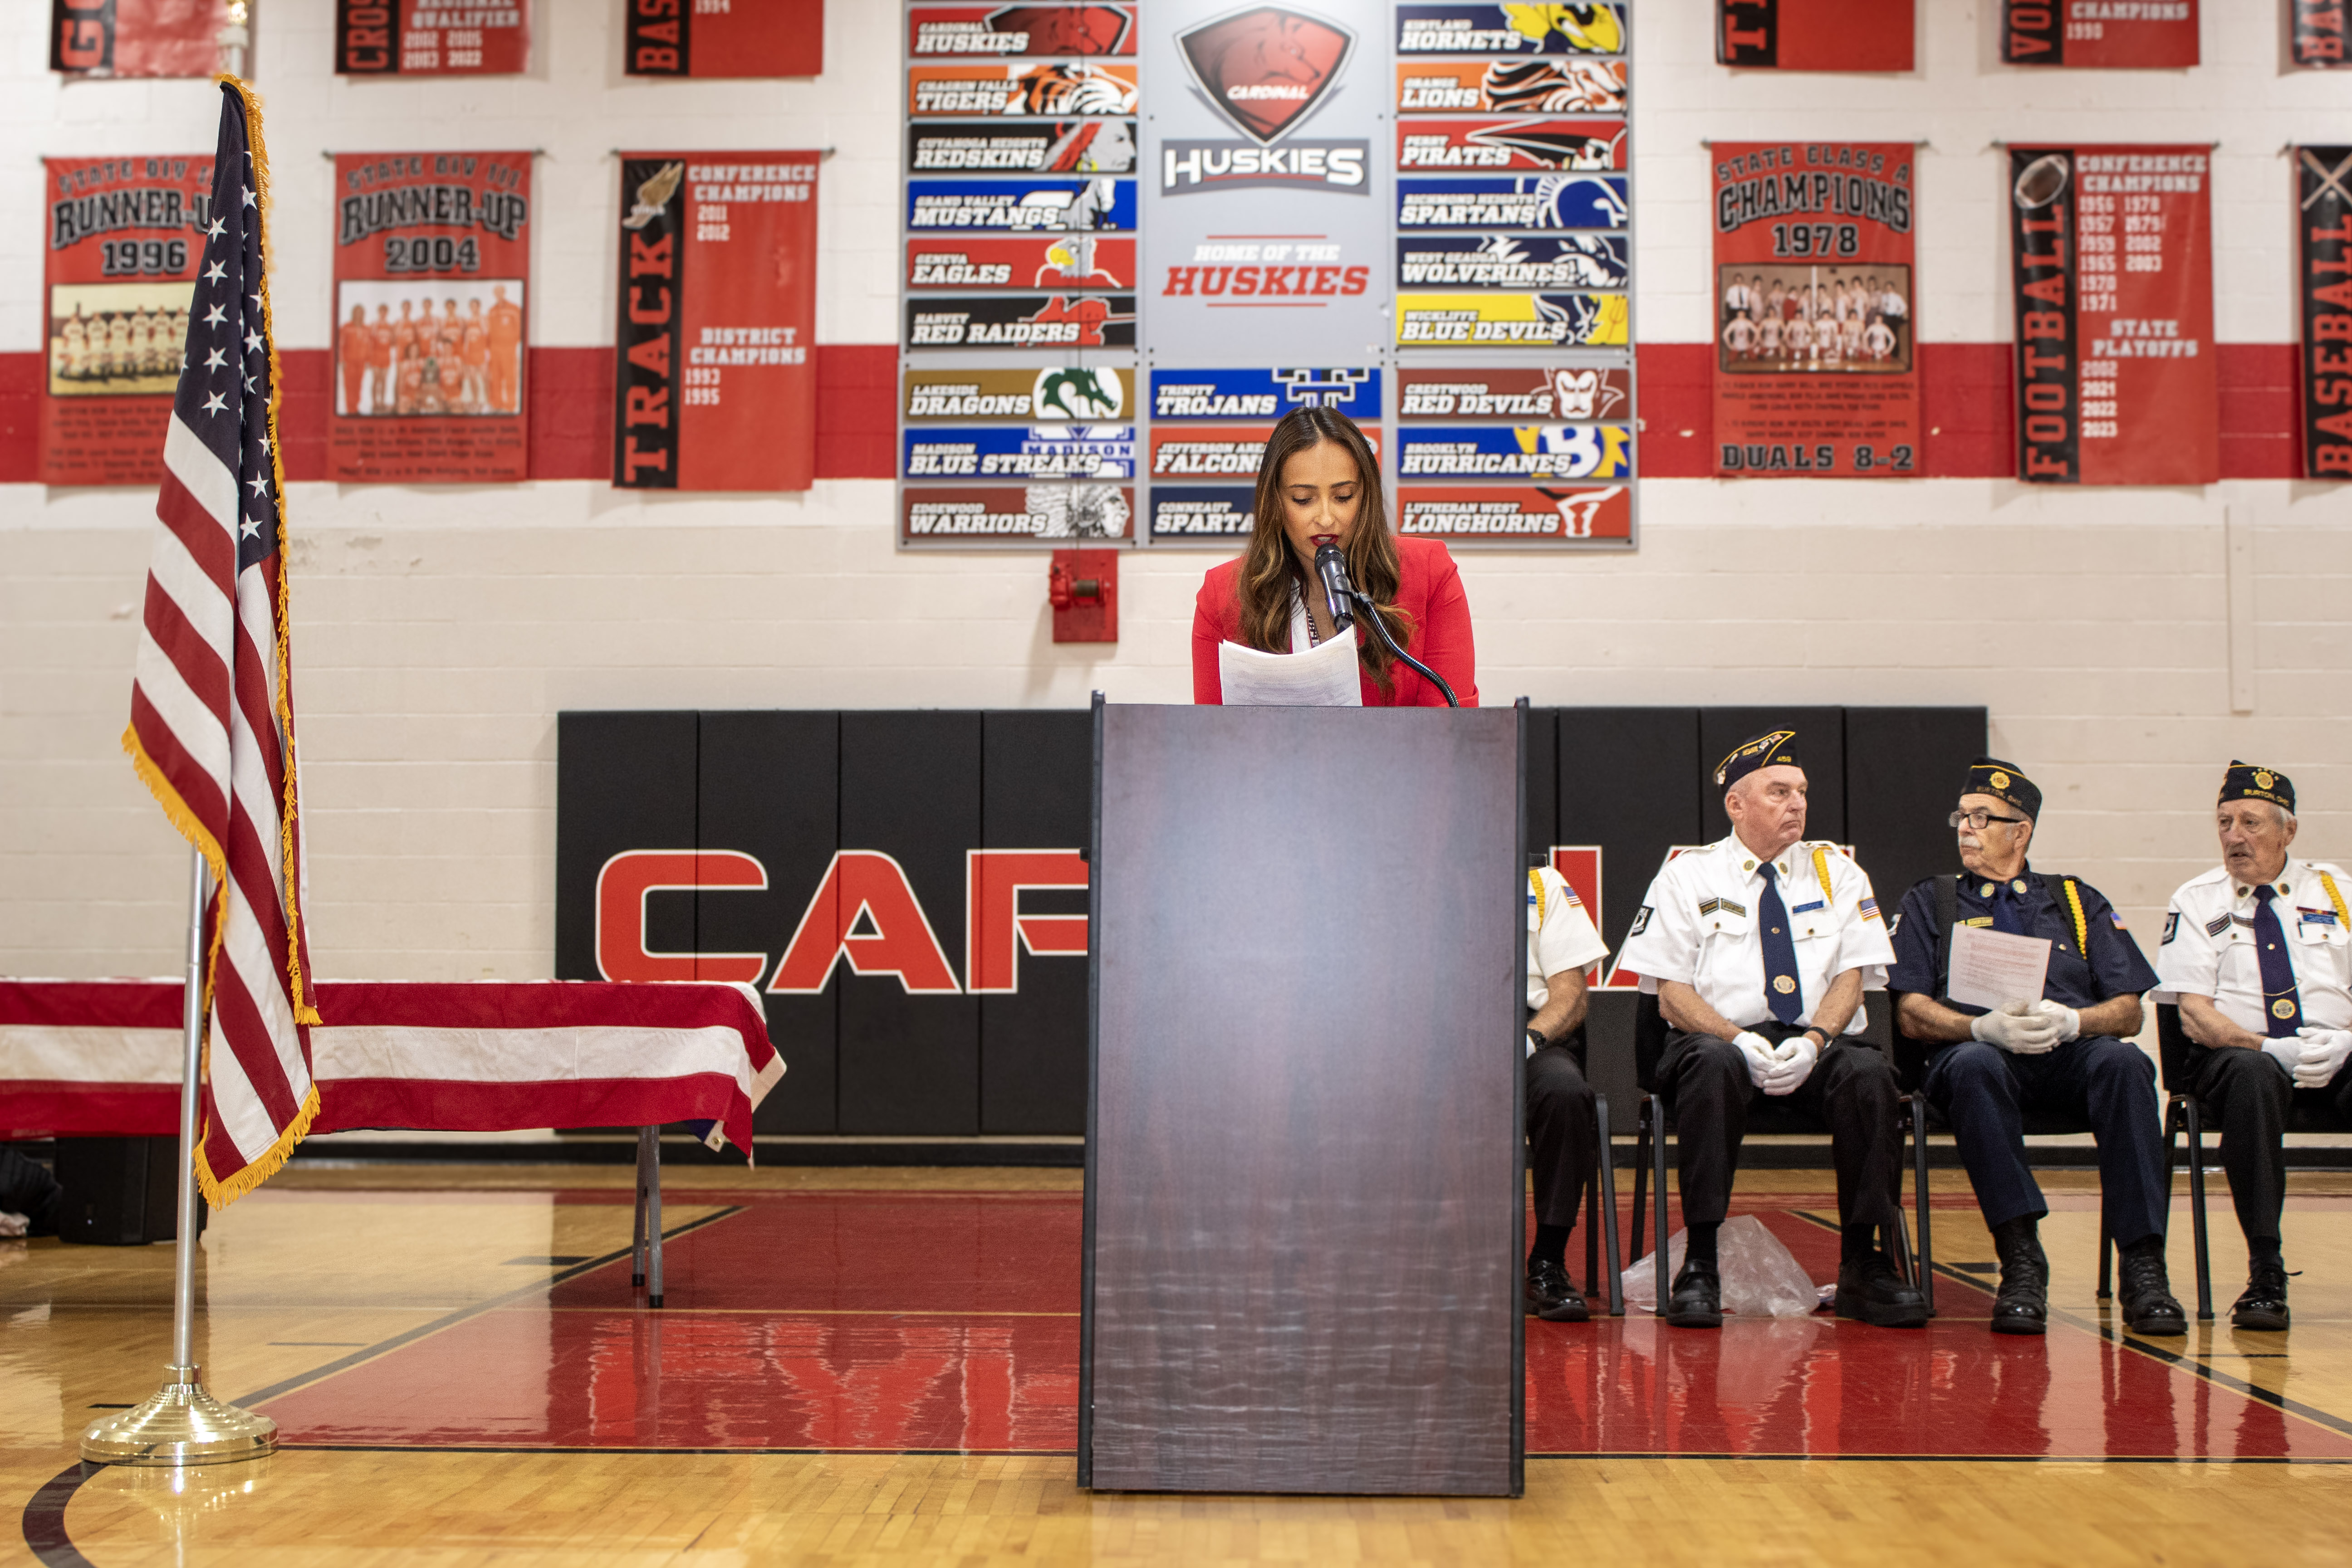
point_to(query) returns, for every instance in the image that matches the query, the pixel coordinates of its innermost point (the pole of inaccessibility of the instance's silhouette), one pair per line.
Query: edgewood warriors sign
(1815, 35)
(2323, 248)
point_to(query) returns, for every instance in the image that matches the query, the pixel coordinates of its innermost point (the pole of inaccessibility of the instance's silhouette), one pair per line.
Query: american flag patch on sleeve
(1869, 907)
(2117, 915)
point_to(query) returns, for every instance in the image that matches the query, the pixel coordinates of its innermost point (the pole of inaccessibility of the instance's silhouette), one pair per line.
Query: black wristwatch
(1536, 1041)
(1822, 1034)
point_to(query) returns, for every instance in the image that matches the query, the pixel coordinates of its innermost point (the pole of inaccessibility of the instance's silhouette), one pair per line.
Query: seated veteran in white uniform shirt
(1760, 947)
(2255, 952)
(1562, 1135)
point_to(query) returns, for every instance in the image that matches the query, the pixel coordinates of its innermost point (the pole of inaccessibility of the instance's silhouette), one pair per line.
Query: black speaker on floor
(120, 1192)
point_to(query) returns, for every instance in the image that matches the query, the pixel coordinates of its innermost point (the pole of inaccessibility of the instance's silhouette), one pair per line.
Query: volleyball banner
(431, 38)
(714, 375)
(2324, 254)
(1816, 368)
(136, 37)
(1815, 35)
(124, 238)
(2317, 39)
(2111, 254)
(2100, 35)
(697, 39)
(432, 276)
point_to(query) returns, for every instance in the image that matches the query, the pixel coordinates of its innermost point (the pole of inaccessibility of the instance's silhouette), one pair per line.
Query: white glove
(2324, 1054)
(1792, 1065)
(2069, 1022)
(2023, 1028)
(2287, 1050)
(1762, 1060)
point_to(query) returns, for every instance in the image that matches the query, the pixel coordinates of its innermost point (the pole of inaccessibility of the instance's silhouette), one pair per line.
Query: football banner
(432, 276)
(1528, 201)
(1816, 367)
(2323, 253)
(714, 373)
(965, 32)
(1016, 514)
(2318, 32)
(2100, 35)
(1521, 143)
(124, 239)
(699, 39)
(1815, 35)
(1511, 320)
(137, 38)
(431, 38)
(1267, 394)
(2112, 263)
(1022, 207)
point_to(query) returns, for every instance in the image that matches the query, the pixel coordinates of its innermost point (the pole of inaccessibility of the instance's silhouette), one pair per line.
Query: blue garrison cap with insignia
(1772, 749)
(2246, 782)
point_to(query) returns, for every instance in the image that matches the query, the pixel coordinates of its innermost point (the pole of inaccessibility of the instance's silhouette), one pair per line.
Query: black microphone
(1333, 569)
(1337, 591)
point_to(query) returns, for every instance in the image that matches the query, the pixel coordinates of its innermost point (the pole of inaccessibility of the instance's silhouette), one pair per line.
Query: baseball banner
(2100, 35)
(714, 379)
(1815, 35)
(699, 39)
(1816, 367)
(2112, 264)
(1016, 514)
(136, 37)
(125, 238)
(1572, 86)
(964, 32)
(1060, 263)
(2324, 252)
(2317, 36)
(432, 274)
(431, 38)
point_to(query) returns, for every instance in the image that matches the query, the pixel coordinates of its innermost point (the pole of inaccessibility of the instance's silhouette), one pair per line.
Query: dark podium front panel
(1303, 1206)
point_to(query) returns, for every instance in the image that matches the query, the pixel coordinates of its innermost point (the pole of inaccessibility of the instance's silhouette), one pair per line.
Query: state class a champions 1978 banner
(1816, 328)
(2111, 257)
(1815, 35)
(431, 37)
(432, 292)
(714, 380)
(121, 243)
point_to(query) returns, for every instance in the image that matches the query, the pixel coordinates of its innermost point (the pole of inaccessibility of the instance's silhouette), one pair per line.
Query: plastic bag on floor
(1760, 1276)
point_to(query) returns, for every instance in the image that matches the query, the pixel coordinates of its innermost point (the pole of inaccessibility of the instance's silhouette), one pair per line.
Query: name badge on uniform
(1807, 908)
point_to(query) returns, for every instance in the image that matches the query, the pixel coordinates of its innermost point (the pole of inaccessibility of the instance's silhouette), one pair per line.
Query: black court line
(45, 1517)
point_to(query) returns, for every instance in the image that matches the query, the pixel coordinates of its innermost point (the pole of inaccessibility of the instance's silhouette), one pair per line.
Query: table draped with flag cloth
(101, 1058)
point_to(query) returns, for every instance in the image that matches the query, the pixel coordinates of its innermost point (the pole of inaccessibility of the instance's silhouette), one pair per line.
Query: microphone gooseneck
(1332, 568)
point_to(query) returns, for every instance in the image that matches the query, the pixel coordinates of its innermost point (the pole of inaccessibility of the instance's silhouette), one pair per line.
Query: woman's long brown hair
(1270, 567)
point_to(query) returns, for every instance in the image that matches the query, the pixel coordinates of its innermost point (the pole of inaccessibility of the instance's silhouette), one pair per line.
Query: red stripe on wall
(1966, 388)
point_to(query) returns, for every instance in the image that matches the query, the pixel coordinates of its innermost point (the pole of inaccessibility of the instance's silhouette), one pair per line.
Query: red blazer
(1428, 588)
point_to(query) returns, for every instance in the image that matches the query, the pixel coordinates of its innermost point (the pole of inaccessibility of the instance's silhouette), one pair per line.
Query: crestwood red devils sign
(2114, 292)
(730, 38)
(1815, 35)
(2324, 246)
(136, 37)
(2100, 35)
(715, 385)
(431, 38)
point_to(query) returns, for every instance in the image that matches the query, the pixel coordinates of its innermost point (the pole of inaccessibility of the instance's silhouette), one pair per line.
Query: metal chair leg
(1658, 1193)
(1919, 1194)
(1609, 1206)
(2106, 1256)
(2196, 1211)
(1592, 1210)
(653, 1217)
(1898, 1245)
(637, 1234)
(1640, 1184)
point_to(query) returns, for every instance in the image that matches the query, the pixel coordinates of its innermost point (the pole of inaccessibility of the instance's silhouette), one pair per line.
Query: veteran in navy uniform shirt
(2063, 1051)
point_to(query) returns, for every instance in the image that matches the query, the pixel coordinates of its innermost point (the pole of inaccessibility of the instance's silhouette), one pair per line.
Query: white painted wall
(438, 632)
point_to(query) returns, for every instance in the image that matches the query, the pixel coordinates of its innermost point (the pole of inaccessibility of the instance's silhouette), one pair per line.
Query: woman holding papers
(1319, 483)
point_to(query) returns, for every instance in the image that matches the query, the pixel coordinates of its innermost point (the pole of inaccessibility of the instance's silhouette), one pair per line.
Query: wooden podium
(1304, 1157)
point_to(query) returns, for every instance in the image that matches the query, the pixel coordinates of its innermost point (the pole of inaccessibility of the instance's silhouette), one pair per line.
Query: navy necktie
(2282, 1007)
(1780, 989)
(2006, 915)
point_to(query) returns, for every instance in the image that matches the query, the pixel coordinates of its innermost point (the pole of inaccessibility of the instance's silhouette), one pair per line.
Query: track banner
(714, 377)
(2112, 260)
(1816, 335)
(2323, 259)
(1815, 35)
(125, 236)
(2100, 35)
(698, 38)
(137, 38)
(2317, 37)
(431, 37)
(432, 267)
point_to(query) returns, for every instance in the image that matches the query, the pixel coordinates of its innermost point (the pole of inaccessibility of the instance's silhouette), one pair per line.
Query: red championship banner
(1815, 35)
(432, 272)
(125, 238)
(725, 38)
(2324, 254)
(2113, 265)
(2317, 38)
(431, 38)
(714, 382)
(1816, 336)
(2100, 35)
(136, 37)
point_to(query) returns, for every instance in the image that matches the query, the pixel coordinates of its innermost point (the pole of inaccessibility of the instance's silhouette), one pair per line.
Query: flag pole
(181, 1423)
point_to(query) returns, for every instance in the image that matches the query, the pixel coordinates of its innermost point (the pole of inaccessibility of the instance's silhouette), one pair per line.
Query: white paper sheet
(1989, 967)
(1323, 676)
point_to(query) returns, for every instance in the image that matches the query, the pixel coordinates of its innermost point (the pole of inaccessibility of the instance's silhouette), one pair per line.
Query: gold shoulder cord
(1822, 870)
(2343, 920)
(2082, 927)
(1535, 885)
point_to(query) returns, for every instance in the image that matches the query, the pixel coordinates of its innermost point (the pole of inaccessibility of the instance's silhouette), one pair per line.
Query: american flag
(212, 715)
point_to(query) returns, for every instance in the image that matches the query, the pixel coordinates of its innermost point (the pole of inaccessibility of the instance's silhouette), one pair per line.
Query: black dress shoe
(2263, 1306)
(1553, 1296)
(2147, 1292)
(1697, 1299)
(1869, 1289)
(2023, 1305)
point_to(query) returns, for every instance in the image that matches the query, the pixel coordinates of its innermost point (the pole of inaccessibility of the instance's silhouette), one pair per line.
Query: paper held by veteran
(1989, 967)
(1323, 676)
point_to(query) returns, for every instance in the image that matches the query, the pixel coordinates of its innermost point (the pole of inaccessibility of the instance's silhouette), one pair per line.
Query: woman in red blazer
(1320, 482)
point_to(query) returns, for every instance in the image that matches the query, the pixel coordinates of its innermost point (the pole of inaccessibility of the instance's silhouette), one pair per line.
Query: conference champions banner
(745, 38)
(2111, 253)
(432, 275)
(124, 237)
(714, 379)
(136, 37)
(1816, 370)
(431, 38)
(2324, 256)
(2100, 35)
(1815, 35)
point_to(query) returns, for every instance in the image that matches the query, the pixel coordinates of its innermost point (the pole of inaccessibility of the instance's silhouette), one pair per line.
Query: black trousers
(1561, 1133)
(1704, 1081)
(1985, 1091)
(2251, 1095)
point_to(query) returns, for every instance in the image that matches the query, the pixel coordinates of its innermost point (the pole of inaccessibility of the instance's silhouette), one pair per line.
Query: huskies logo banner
(697, 39)
(2324, 250)
(1815, 35)
(1816, 366)
(431, 38)
(2100, 35)
(2111, 256)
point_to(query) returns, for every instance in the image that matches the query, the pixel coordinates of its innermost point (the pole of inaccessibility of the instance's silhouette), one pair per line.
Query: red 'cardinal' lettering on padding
(864, 886)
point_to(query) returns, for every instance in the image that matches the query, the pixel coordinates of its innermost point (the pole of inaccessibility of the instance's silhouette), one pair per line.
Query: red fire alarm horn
(1083, 587)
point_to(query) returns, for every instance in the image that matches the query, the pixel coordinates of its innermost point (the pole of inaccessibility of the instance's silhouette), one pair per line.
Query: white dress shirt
(2208, 944)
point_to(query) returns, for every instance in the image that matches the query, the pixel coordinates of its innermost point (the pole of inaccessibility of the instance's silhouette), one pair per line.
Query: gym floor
(880, 1366)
